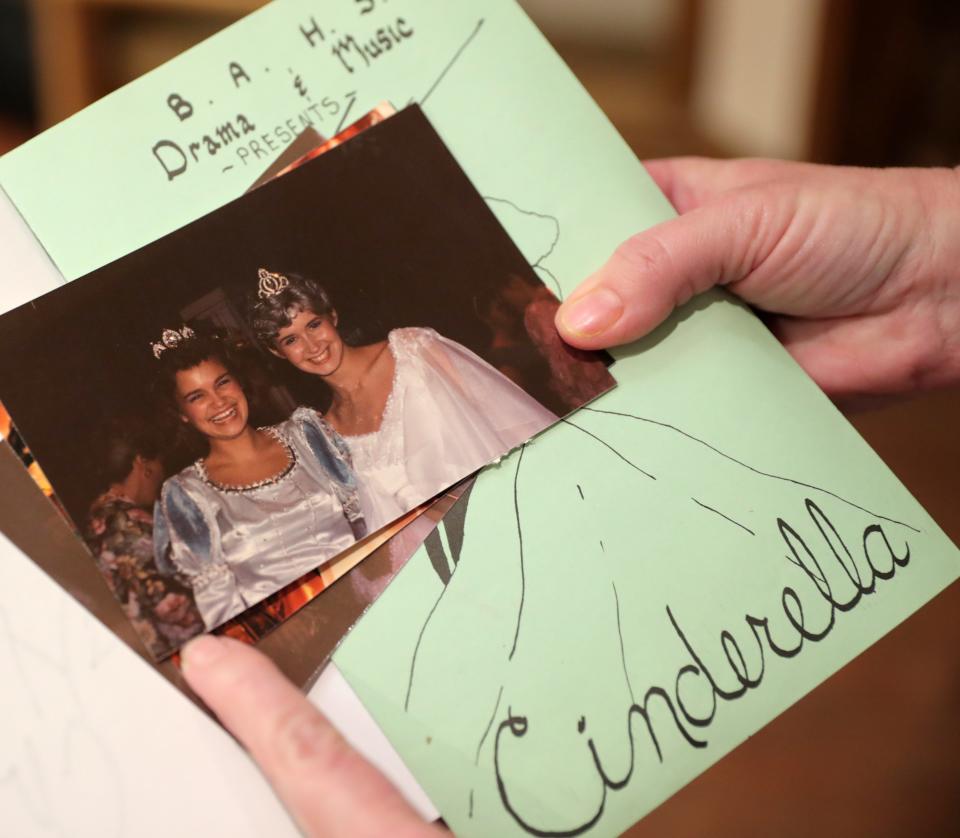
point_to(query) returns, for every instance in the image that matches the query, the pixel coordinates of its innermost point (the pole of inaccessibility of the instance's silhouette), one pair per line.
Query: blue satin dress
(237, 545)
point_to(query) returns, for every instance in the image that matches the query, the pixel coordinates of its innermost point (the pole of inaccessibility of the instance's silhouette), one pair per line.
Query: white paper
(29, 271)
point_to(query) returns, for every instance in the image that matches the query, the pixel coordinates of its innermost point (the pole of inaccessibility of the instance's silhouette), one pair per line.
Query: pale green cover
(534, 691)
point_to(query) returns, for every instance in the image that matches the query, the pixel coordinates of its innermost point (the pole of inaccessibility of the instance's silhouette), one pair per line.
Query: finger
(851, 357)
(328, 787)
(691, 182)
(662, 268)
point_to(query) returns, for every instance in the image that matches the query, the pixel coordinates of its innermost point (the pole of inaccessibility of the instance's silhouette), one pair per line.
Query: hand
(858, 268)
(329, 789)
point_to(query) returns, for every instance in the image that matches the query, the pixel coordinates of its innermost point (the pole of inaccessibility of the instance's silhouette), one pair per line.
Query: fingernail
(202, 651)
(593, 313)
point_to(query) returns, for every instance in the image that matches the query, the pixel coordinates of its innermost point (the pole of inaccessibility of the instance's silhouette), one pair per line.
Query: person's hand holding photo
(857, 269)
(328, 788)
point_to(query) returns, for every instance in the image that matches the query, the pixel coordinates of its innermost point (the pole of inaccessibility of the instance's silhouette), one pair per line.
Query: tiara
(271, 284)
(170, 339)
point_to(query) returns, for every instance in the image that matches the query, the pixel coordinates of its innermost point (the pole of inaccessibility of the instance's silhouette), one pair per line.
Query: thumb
(662, 268)
(328, 787)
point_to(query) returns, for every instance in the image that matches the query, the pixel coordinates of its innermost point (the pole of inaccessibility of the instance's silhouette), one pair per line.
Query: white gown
(448, 414)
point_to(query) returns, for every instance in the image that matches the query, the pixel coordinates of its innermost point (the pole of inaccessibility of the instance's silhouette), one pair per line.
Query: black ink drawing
(456, 57)
(453, 527)
(840, 578)
(545, 252)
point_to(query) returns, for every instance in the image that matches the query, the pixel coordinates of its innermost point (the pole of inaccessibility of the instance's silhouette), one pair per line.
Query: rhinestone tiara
(171, 339)
(271, 283)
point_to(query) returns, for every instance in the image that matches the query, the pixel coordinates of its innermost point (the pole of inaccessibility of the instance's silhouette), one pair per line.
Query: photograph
(238, 403)
(321, 631)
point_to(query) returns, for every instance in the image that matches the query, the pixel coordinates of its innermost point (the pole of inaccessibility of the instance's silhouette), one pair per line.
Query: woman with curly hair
(264, 505)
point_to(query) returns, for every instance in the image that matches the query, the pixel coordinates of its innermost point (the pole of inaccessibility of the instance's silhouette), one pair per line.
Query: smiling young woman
(212, 401)
(264, 505)
(418, 411)
(360, 377)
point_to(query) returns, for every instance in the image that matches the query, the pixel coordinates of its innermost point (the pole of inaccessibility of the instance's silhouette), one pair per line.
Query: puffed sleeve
(186, 535)
(332, 463)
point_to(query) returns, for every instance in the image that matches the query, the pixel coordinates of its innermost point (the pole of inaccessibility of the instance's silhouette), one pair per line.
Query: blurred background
(876, 750)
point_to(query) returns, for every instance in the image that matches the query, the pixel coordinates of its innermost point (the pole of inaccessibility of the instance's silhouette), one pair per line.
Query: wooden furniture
(86, 48)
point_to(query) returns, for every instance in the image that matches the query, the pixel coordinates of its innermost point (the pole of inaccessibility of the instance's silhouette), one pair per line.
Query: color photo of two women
(241, 401)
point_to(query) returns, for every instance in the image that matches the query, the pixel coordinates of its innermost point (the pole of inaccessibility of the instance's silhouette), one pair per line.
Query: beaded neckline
(257, 484)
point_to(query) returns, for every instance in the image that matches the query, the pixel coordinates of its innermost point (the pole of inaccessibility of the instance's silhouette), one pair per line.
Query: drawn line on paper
(725, 517)
(456, 57)
(37, 809)
(416, 650)
(433, 544)
(486, 732)
(623, 653)
(820, 577)
(453, 524)
(470, 811)
(17, 646)
(538, 264)
(523, 575)
(726, 456)
(66, 638)
(608, 446)
(346, 112)
(580, 490)
(85, 728)
(553, 278)
(25, 780)
(543, 216)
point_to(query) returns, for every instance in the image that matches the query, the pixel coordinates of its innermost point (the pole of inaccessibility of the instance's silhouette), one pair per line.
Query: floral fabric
(161, 607)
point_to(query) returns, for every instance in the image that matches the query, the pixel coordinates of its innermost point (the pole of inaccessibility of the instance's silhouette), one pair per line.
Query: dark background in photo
(387, 222)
